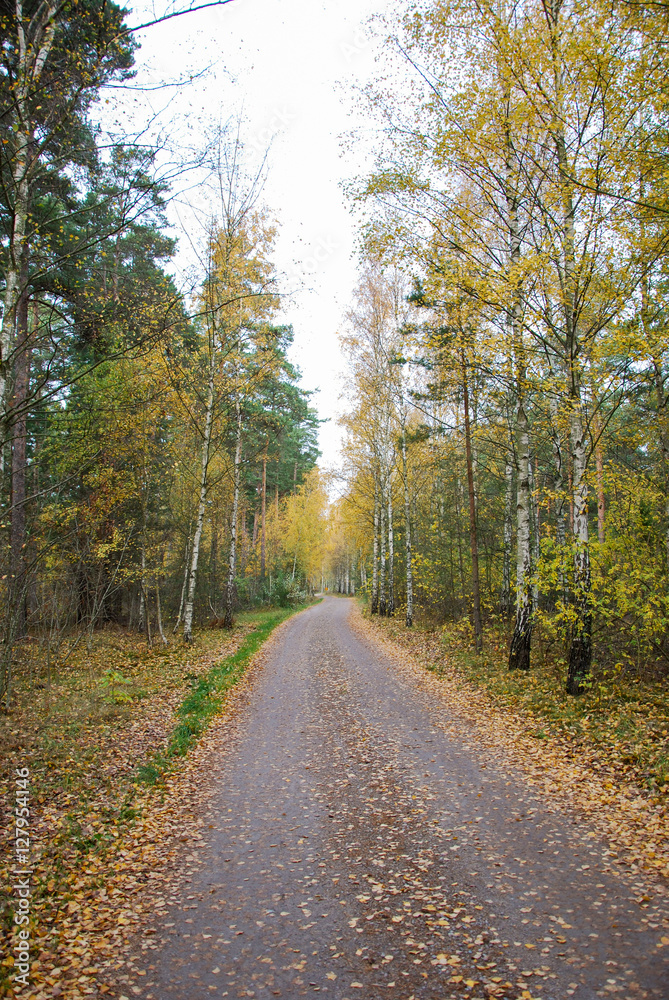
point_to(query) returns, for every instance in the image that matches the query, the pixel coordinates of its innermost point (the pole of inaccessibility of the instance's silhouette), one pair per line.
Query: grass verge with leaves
(95, 735)
(208, 693)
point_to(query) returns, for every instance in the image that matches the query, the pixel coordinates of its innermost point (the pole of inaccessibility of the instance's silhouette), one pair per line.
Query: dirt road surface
(361, 844)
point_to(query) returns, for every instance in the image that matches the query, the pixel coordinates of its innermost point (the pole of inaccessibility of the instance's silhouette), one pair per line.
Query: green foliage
(208, 693)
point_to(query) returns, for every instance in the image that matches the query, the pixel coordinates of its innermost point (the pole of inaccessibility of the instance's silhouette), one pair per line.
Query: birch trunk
(159, 617)
(535, 536)
(519, 654)
(473, 534)
(382, 555)
(375, 563)
(391, 554)
(407, 532)
(663, 438)
(560, 497)
(508, 536)
(521, 640)
(184, 584)
(143, 612)
(580, 652)
(204, 469)
(230, 586)
(599, 470)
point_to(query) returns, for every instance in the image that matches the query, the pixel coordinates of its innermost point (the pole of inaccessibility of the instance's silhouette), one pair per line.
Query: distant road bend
(363, 845)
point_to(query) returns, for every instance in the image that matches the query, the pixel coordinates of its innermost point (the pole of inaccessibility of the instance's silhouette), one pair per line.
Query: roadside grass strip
(207, 696)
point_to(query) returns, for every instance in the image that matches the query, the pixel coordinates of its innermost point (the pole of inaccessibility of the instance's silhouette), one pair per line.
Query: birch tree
(238, 295)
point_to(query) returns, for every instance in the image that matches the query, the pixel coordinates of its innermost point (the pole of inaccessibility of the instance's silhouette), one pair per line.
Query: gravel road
(361, 844)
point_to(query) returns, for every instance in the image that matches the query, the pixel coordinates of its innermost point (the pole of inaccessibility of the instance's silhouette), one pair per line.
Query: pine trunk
(263, 514)
(18, 587)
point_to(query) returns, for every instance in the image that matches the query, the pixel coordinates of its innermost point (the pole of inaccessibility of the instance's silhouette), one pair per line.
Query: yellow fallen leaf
(331, 975)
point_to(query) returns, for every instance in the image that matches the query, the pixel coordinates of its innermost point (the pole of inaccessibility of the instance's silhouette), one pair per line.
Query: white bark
(391, 552)
(519, 656)
(580, 652)
(407, 531)
(375, 557)
(192, 576)
(182, 598)
(230, 587)
(535, 541)
(508, 534)
(159, 617)
(383, 600)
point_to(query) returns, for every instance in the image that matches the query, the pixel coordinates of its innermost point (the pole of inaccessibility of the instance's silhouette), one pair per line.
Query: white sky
(288, 66)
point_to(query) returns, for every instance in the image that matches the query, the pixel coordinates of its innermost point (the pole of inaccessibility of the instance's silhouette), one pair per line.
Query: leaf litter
(98, 935)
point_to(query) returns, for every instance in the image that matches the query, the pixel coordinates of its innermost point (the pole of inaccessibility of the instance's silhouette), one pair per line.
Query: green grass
(209, 691)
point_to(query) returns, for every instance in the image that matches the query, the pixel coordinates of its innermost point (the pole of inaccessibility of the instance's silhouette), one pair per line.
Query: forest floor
(99, 733)
(619, 726)
(351, 824)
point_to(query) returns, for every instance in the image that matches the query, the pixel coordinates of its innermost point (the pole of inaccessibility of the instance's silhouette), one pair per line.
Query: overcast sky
(289, 67)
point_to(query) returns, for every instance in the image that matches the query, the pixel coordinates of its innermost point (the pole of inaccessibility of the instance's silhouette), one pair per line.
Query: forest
(507, 448)
(507, 425)
(157, 451)
(467, 611)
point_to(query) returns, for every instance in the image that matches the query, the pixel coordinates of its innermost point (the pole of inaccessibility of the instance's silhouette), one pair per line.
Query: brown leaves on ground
(578, 774)
(102, 842)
